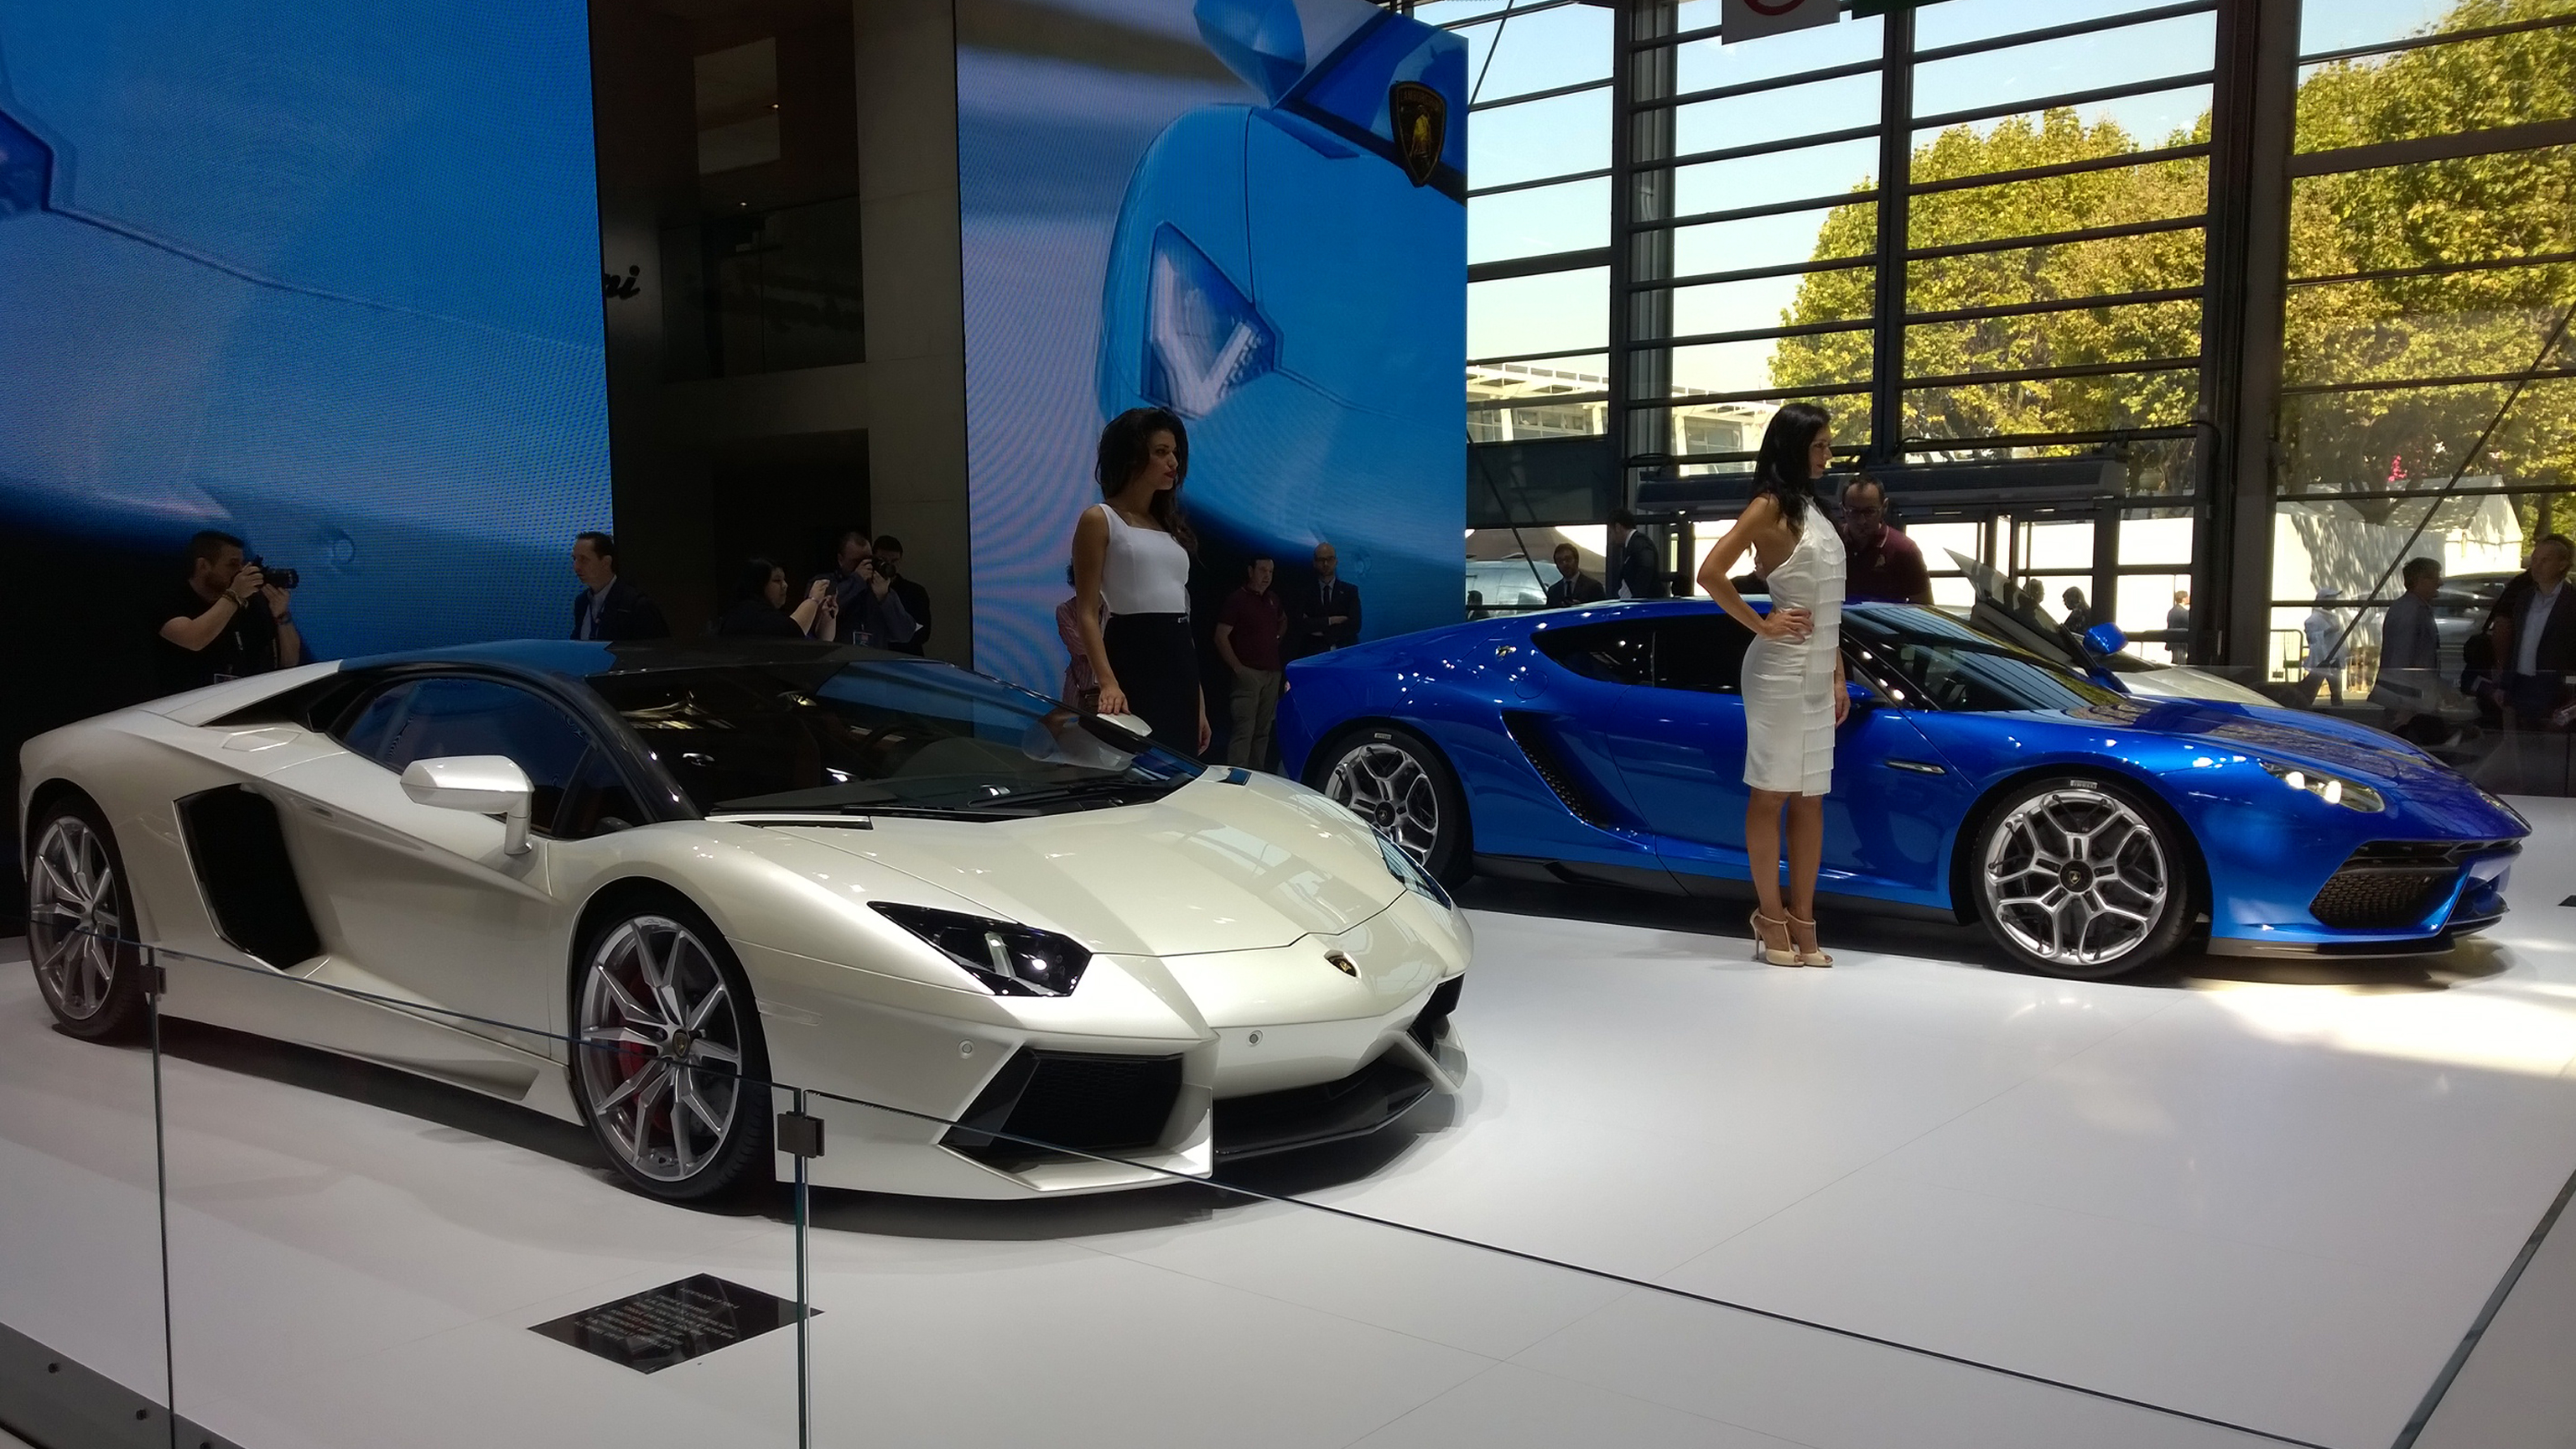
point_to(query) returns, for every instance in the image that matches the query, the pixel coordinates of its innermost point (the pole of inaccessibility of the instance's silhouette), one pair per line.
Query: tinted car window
(1703, 652)
(1954, 667)
(881, 735)
(598, 802)
(1619, 652)
(430, 719)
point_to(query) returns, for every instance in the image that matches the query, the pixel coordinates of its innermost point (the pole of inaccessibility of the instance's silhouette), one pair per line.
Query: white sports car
(714, 865)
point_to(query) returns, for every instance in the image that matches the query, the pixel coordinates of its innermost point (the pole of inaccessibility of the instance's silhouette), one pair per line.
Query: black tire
(1399, 783)
(650, 1106)
(2083, 877)
(81, 936)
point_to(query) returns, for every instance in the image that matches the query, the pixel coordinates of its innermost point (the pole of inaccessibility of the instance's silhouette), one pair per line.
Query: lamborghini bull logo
(1421, 120)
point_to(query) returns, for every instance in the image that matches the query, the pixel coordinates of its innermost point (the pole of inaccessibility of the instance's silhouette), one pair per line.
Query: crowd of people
(1132, 647)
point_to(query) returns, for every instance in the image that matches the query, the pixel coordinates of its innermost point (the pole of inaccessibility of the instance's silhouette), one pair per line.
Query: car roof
(586, 659)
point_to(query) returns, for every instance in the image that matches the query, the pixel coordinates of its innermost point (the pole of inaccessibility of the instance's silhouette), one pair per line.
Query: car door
(1887, 820)
(1680, 743)
(421, 902)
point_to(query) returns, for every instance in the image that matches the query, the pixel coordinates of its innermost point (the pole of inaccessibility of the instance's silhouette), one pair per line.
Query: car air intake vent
(1527, 733)
(2390, 885)
(2428, 853)
(1434, 1019)
(1089, 1102)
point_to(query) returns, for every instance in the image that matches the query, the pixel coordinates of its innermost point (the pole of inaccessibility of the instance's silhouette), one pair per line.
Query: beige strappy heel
(1762, 947)
(1817, 957)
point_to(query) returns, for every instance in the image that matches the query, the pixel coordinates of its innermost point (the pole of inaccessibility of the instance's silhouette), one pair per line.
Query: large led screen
(321, 276)
(1250, 212)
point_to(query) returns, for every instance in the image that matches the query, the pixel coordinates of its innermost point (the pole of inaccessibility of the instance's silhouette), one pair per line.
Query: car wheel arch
(1964, 902)
(1319, 762)
(43, 798)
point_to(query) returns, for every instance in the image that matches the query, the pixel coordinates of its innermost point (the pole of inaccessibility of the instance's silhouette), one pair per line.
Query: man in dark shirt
(1247, 638)
(1636, 569)
(1326, 613)
(226, 621)
(1573, 585)
(870, 611)
(1883, 562)
(915, 598)
(2533, 624)
(608, 607)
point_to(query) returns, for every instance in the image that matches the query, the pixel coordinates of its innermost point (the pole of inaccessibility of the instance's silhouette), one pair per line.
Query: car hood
(1211, 867)
(2280, 734)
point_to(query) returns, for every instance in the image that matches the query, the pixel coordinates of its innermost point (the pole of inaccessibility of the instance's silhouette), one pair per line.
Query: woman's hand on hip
(1788, 623)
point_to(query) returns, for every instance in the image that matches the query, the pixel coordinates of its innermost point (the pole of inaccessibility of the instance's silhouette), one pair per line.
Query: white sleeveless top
(1147, 571)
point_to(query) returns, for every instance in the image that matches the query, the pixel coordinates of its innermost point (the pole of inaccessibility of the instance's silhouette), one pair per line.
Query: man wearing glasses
(1885, 564)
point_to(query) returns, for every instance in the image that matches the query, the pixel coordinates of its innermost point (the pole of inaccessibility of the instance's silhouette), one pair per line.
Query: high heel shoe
(1806, 957)
(1763, 950)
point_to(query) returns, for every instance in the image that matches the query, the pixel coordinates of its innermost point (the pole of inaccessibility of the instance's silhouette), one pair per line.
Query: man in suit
(2534, 628)
(608, 607)
(1573, 585)
(1325, 614)
(1636, 566)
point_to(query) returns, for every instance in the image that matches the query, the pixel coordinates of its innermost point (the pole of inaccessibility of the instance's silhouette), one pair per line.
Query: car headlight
(2332, 789)
(1403, 868)
(1004, 957)
(2498, 801)
(1203, 337)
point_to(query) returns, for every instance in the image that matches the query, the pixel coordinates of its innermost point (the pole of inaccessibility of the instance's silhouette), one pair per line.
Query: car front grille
(1084, 1101)
(2390, 885)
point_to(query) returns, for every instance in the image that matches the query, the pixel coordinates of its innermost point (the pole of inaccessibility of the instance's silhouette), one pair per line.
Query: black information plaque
(654, 1329)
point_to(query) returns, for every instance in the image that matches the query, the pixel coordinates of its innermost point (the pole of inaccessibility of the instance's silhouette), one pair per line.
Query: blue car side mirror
(2105, 639)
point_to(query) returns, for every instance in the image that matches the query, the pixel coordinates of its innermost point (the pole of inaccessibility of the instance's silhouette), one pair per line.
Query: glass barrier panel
(80, 1230)
(388, 1223)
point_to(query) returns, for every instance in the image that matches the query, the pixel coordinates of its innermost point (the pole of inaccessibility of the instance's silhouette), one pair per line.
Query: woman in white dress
(1793, 673)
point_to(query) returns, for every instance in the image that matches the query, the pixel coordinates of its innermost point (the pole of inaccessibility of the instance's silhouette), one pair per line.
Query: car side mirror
(1862, 697)
(1132, 724)
(2105, 639)
(479, 784)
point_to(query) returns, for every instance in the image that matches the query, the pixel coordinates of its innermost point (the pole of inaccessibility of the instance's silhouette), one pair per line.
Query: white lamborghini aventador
(631, 884)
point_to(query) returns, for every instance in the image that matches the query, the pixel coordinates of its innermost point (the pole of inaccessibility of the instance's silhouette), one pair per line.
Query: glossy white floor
(2133, 1214)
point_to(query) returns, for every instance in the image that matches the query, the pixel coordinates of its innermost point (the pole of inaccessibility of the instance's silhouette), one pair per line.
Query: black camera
(281, 577)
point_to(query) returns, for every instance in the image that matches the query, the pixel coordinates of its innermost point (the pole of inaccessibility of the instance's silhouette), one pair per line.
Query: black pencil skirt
(1152, 656)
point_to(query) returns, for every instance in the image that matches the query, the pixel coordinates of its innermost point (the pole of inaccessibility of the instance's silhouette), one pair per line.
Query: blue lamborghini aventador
(2092, 820)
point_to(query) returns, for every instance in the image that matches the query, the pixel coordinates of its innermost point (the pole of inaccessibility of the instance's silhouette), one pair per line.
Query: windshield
(881, 736)
(1949, 665)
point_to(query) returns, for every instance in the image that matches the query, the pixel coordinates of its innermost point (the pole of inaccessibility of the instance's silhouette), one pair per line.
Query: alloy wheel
(1387, 787)
(75, 920)
(661, 1048)
(2076, 877)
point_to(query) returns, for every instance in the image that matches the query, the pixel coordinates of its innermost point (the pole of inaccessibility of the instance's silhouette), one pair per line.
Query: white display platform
(2272, 1196)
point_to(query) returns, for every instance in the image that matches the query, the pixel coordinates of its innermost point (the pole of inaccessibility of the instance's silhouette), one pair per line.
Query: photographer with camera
(867, 609)
(231, 618)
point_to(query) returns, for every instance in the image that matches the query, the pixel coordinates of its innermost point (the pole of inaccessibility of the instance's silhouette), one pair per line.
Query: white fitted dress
(1789, 688)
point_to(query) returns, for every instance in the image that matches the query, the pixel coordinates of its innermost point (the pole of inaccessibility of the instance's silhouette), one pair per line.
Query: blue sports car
(2092, 821)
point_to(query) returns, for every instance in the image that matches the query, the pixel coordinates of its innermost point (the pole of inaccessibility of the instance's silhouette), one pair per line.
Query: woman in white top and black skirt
(1132, 553)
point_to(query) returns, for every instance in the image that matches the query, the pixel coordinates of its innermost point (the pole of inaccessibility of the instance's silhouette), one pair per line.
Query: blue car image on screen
(2091, 829)
(1290, 279)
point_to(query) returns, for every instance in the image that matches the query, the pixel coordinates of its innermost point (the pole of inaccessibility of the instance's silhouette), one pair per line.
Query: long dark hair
(1780, 469)
(751, 580)
(1127, 445)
